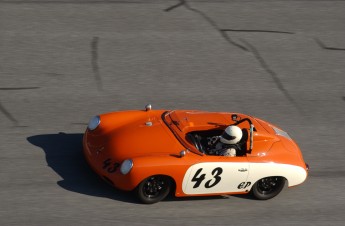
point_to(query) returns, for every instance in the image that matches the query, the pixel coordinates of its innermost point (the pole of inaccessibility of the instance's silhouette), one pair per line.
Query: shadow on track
(64, 155)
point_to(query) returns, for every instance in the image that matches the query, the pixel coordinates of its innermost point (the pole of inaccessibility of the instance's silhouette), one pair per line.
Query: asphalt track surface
(62, 62)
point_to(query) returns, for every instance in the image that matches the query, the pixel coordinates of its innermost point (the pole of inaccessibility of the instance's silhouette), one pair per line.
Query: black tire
(153, 189)
(268, 187)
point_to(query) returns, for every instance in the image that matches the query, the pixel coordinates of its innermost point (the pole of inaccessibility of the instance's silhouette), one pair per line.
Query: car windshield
(175, 127)
(182, 123)
(186, 125)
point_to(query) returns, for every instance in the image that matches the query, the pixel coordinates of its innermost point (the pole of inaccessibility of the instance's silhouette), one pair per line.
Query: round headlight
(126, 166)
(94, 122)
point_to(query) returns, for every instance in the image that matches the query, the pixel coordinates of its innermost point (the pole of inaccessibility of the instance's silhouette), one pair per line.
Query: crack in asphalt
(246, 47)
(259, 31)
(215, 26)
(5, 112)
(267, 68)
(323, 46)
(273, 74)
(180, 3)
(18, 88)
(209, 20)
(8, 115)
(94, 62)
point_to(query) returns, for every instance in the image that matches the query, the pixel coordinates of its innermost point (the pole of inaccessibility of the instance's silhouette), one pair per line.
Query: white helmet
(231, 135)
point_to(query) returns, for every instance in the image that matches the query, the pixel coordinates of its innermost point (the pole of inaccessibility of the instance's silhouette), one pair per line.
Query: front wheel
(268, 187)
(153, 189)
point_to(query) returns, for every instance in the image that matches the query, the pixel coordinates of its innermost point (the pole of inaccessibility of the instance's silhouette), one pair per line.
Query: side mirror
(182, 153)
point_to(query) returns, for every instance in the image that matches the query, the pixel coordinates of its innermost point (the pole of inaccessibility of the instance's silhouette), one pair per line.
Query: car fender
(293, 174)
(173, 166)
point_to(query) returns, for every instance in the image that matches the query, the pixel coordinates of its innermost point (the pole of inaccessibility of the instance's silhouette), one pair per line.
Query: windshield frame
(176, 132)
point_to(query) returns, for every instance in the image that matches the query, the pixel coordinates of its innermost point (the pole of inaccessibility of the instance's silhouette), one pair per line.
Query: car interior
(200, 139)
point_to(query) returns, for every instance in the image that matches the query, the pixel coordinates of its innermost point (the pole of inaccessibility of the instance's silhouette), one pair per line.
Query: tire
(153, 189)
(268, 187)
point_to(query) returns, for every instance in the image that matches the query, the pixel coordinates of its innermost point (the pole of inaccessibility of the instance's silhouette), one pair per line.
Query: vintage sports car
(154, 152)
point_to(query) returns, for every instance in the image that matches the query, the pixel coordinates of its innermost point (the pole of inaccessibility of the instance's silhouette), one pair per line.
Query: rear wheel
(153, 189)
(268, 187)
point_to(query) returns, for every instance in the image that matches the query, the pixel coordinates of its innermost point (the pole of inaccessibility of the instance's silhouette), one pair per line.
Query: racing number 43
(198, 179)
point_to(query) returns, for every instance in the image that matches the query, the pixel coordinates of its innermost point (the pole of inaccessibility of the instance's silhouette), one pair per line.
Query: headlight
(94, 122)
(126, 166)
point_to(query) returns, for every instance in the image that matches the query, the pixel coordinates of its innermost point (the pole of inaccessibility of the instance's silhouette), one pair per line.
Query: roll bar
(251, 129)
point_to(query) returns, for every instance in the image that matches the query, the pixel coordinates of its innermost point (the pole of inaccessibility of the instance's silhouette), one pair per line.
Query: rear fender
(293, 174)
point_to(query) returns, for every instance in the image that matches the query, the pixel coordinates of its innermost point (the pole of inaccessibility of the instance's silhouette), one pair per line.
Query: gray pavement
(61, 62)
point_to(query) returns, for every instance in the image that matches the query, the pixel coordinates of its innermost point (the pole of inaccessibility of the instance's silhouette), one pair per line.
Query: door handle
(242, 170)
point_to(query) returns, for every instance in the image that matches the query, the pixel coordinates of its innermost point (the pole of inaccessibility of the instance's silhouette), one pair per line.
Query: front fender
(172, 166)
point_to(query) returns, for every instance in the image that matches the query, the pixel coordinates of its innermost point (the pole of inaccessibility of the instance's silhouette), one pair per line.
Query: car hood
(132, 134)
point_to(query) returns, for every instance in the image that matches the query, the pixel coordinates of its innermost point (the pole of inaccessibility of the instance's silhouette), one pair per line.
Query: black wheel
(268, 187)
(153, 189)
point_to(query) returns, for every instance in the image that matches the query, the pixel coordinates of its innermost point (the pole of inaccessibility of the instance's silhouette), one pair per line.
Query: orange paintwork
(155, 149)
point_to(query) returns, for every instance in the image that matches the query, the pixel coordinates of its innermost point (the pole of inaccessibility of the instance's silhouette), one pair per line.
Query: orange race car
(192, 153)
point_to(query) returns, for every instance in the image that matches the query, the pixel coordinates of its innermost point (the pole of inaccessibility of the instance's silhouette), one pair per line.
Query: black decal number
(210, 183)
(198, 179)
(216, 175)
(110, 166)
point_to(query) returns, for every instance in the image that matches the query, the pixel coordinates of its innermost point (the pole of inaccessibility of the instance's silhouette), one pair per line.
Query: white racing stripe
(294, 174)
(223, 177)
(215, 177)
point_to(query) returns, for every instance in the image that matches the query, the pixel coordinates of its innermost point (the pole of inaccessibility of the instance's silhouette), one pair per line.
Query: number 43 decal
(210, 183)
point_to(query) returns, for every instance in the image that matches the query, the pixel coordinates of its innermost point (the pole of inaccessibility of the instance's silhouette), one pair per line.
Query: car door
(216, 174)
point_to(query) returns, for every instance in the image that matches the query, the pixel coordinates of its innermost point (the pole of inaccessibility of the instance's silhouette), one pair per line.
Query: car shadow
(64, 155)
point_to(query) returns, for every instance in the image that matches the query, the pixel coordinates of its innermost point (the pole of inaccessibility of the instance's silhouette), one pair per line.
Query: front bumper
(107, 167)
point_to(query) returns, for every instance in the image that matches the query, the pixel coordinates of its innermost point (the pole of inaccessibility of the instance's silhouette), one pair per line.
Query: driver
(227, 143)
